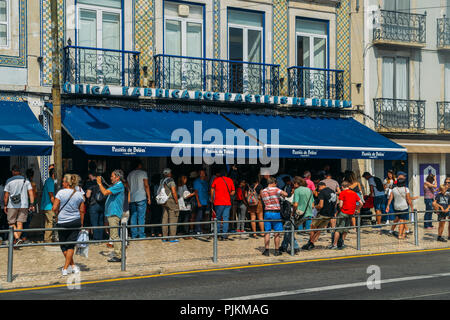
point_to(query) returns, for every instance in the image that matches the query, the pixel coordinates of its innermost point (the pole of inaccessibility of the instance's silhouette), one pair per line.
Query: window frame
(311, 37)
(8, 27)
(394, 80)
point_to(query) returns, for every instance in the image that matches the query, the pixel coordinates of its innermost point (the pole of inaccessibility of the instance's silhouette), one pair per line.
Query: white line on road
(424, 295)
(335, 287)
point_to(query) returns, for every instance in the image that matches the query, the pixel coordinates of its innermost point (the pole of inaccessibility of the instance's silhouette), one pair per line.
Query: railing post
(416, 229)
(124, 246)
(10, 253)
(358, 232)
(215, 241)
(292, 239)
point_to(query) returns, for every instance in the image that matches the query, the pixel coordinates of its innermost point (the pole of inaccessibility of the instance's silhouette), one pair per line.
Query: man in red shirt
(349, 203)
(222, 189)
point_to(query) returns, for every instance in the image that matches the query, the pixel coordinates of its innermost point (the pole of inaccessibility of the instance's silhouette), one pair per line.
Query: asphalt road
(404, 276)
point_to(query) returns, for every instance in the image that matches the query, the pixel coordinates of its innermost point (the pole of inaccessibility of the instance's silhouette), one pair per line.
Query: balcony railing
(189, 73)
(316, 83)
(443, 116)
(399, 115)
(400, 27)
(101, 66)
(443, 32)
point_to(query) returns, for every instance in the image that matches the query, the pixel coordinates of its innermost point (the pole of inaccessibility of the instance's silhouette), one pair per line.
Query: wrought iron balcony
(316, 83)
(400, 28)
(189, 73)
(443, 116)
(399, 115)
(101, 66)
(443, 33)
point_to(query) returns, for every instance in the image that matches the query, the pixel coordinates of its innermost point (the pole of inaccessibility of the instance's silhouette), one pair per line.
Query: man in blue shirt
(48, 196)
(201, 195)
(114, 209)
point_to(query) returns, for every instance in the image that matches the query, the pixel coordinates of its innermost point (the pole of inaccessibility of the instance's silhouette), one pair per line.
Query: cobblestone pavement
(35, 266)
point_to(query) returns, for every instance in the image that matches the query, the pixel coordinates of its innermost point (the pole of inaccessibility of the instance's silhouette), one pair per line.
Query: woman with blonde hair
(70, 209)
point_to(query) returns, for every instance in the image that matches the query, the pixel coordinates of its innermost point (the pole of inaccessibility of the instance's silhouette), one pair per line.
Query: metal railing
(85, 65)
(443, 116)
(398, 114)
(400, 27)
(443, 32)
(316, 83)
(203, 74)
(215, 234)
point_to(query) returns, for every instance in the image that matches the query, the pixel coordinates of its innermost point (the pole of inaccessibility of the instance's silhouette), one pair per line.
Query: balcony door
(395, 89)
(183, 39)
(312, 50)
(245, 33)
(99, 28)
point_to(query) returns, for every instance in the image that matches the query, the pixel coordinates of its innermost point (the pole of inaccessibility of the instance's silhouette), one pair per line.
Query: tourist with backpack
(167, 197)
(255, 208)
(378, 194)
(96, 206)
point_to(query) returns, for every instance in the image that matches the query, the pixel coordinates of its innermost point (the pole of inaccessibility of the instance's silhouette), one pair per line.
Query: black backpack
(378, 184)
(286, 210)
(98, 195)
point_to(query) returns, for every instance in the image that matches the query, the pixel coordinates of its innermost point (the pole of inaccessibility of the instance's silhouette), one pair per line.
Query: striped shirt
(271, 198)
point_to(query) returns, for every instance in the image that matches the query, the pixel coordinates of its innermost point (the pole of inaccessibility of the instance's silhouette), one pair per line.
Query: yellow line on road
(224, 269)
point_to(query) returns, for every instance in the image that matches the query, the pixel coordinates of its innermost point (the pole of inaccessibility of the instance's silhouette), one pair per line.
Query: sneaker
(278, 253)
(69, 269)
(174, 240)
(332, 247)
(115, 259)
(342, 247)
(266, 252)
(296, 251)
(441, 239)
(283, 249)
(307, 246)
(75, 269)
(408, 232)
(64, 272)
(18, 242)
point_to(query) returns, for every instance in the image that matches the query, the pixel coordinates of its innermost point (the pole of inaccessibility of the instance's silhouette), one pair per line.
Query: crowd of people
(316, 201)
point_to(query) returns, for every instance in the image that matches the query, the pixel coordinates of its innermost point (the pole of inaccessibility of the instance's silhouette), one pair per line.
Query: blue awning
(326, 138)
(21, 134)
(118, 131)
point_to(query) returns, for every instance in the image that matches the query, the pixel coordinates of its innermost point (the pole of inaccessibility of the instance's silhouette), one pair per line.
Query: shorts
(402, 214)
(17, 215)
(343, 220)
(256, 209)
(275, 225)
(443, 216)
(68, 235)
(379, 203)
(321, 222)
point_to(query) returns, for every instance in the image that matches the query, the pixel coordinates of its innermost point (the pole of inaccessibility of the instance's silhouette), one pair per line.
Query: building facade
(406, 81)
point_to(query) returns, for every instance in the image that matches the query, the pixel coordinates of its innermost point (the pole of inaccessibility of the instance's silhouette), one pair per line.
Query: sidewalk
(36, 266)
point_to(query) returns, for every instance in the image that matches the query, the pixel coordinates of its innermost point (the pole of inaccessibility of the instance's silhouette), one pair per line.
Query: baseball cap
(401, 173)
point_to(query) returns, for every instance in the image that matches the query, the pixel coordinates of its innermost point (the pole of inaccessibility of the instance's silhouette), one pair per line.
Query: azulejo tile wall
(343, 45)
(216, 29)
(46, 38)
(20, 60)
(280, 39)
(144, 31)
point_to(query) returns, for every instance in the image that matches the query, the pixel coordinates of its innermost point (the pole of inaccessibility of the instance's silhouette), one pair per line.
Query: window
(447, 81)
(395, 78)
(183, 38)
(4, 22)
(311, 37)
(99, 26)
(245, 36)
(397, 5)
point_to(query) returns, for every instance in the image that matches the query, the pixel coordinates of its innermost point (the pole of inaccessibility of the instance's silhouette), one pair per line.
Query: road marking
(225, 269)
(335, 287)
(425, 295)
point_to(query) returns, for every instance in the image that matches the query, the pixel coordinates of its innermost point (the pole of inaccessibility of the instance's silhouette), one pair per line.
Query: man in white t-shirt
(139, 198)
(16, 193)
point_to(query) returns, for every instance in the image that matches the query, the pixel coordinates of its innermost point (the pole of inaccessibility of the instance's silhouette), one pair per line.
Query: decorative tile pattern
(280, 39)
(343, 45)
(46, 39)
(45, 160)
(21, 60)
(216, 29)
(10, 97)
(144, 30)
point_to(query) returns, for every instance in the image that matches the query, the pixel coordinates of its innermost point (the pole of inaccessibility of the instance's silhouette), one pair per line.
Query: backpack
(99, 197)
(378, 184)
(252, 197)
(286, 210)
(162, 196)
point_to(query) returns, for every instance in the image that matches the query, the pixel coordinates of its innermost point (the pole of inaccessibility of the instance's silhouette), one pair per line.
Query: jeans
(137, 216)
(97, 216)
(201, 211)
(184, 217)
(223, 212)
(287, 237)
(242, 210)
(428, 215)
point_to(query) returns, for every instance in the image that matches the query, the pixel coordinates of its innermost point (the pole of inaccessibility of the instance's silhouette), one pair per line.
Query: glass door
(183, 39)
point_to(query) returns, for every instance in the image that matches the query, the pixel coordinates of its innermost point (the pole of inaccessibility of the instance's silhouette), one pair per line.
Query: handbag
(17, 199)
(298, 216)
